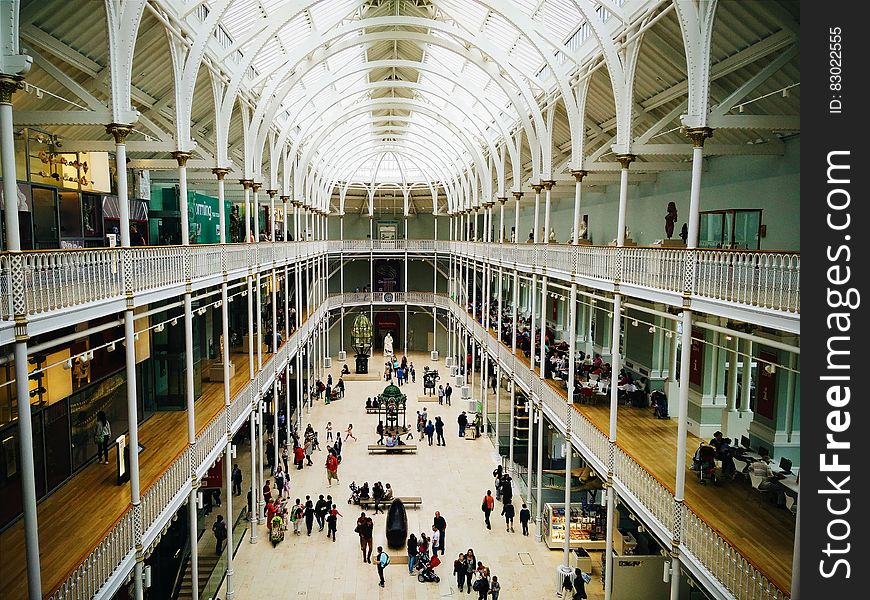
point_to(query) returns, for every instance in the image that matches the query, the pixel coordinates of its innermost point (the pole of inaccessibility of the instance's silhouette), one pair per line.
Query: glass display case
(585, 530)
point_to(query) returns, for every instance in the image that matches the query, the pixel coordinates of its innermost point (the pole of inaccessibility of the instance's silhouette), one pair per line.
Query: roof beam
(640, 166)
(772, 122)
(710, 149)
(157, 164)
(73, 145)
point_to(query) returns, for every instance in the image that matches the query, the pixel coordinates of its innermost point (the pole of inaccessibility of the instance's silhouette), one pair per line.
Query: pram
(660, 405)
(358, 493)
(276, 534)
(706, 457)
(426, 567)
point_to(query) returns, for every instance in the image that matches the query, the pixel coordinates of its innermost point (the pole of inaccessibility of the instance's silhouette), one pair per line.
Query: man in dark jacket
(439, 432)
(463, 423)
(440, 524)
(320, 510)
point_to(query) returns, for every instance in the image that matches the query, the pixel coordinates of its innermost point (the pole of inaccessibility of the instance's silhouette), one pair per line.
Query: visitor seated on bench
(391, 441)
(369, 403)
(345, 370)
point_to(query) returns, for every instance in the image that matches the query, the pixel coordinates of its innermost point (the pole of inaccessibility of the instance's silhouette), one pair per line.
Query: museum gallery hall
(517, 279)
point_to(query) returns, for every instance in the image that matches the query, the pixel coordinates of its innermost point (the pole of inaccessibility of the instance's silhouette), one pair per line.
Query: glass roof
(319, 66)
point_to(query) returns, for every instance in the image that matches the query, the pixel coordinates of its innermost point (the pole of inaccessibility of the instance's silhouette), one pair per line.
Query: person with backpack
(380, 432)
(382, 560)
(296, 515)
(220, 534)
(331, 469)
(494, 587)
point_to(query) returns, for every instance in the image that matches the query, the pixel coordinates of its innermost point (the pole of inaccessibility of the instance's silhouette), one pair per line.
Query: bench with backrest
(408, 501)
(376, 448)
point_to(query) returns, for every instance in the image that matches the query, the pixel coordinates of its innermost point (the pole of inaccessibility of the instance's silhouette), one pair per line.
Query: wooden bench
(372, 410)
(414, 501)
(375, 448)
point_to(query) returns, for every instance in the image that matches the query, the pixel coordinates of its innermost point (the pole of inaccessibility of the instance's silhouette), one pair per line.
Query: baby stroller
(707, 464)
(358, 493)
(276, 535)
(427, 569)
(660, 405)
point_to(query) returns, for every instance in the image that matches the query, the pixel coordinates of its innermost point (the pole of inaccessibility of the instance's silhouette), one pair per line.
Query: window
(736, 229)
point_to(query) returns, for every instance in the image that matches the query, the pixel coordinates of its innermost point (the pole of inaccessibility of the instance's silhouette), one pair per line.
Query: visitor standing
(102, 433)
(383, 559)
(237, 481)
(328, 430)
(332, 522)
(413, 373)
(412, 552)
(508, 511)
(436, 540)
(441, 524)
(320, 510)
(439, 432)
(220, 534)
(430, 431)
(331, 469)
(440, 394)
(309, 514)
(380, 431)
(463, 423)
(448, 391)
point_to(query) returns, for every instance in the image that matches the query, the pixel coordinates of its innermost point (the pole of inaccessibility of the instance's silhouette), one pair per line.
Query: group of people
(472, 574)
(430, 429)
(327, 390)
(504, 492)
(403, 371)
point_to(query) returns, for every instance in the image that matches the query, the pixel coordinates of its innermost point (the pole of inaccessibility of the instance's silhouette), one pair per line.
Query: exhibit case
(584, 530)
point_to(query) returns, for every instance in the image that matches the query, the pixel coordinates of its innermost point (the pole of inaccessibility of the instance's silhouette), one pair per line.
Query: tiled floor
(452, 479)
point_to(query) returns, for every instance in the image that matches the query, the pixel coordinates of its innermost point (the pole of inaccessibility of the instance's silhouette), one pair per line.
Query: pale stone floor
(452, 479)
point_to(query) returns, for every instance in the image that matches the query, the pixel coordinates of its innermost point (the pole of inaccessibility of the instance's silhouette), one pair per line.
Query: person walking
(459, 571)
(299, 457)
(413, 550)
(441, 525)
(220, 534)
(507, 490)
(482, 582)
(439, 432)
(279, 481)
(380, 431)
(448, 391)
(508, 511)
(331, 469)
(237, 481)
(297, 515)
(365, 528)
(486, 506)
(494, 587)
(382, 560)
(413, 373)
(309, 449)
(309, 514)
(430, 431)
(349, 433)
(332, 522)
(378, 496)
(470, 568)
(102, 433)
(320, 510)
(525, 517)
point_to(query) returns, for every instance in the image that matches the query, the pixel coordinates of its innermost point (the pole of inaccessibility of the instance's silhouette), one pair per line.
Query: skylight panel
(241, 16)
(468, 14)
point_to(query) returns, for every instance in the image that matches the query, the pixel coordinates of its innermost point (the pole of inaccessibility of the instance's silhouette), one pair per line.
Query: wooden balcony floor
(78, 515)
(761, 531)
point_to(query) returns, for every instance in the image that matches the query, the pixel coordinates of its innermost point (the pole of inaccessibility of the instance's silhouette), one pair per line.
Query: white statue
(582, 235)
(627, 233)
(552, 235)
(388, 344)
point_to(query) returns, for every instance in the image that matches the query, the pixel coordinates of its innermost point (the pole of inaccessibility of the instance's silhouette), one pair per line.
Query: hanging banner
(696, 358)
(765, 398)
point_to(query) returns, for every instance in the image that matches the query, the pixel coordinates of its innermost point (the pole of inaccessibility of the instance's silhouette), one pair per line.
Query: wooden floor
(74, 519)
(759, 530)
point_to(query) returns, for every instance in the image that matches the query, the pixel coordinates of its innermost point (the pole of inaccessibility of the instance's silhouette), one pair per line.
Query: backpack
(386, 558)
(566, 583)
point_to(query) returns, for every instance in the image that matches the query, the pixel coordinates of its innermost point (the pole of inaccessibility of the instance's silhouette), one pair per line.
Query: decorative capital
(548, 184)
(502, 200)
(9, 84)
(537, 187)
(256, 185)
(181, 157)
(296, 203)
(579, 175)
(285, 199)
(518, 195)
(625, 159)
(246, 183)
(220, 172)
(272, 193)
(698, 135)
(119, 131)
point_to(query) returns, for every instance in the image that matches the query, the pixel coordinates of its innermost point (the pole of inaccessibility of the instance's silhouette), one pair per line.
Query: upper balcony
(48, 286)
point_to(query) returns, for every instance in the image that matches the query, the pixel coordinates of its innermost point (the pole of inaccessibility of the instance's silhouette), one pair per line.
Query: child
(328, 430)
(494, 587)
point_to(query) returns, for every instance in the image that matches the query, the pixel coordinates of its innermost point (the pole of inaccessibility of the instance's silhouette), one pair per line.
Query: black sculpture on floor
(397, 525)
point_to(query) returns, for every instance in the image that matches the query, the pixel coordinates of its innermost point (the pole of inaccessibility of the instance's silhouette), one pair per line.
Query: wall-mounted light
(652, 329)
(67, 364)
(771, 369)
(111, 347)
(159, 328)
(634, 323)
(173, 322)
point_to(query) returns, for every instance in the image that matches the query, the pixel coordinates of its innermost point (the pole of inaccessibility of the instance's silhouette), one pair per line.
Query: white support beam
(640, 166)
(753, 82)
(775, 148)
(604, 178)
(772, 122)
(41, 118)
(66, 81)
(71, 145)
(156, 164)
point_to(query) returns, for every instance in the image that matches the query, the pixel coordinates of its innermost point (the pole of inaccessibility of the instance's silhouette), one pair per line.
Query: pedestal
(678, 243)
(362, 364)
(216, 371)
(584, 242)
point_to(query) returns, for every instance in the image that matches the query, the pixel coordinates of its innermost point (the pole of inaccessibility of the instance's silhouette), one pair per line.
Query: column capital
(272, 193)
(285, 199)
(502, 200)
(256, 185)
(296, 203)
(182, 157)
(537, 187)
(579, 174)
(517, 195)
(246, 183)
(9, 84)
(625, 159)
(548, 184)
(119, 131)
(698, 135)
(220, 172)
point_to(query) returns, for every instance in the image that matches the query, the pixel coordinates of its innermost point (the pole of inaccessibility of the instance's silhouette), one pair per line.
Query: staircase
(207, 564)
